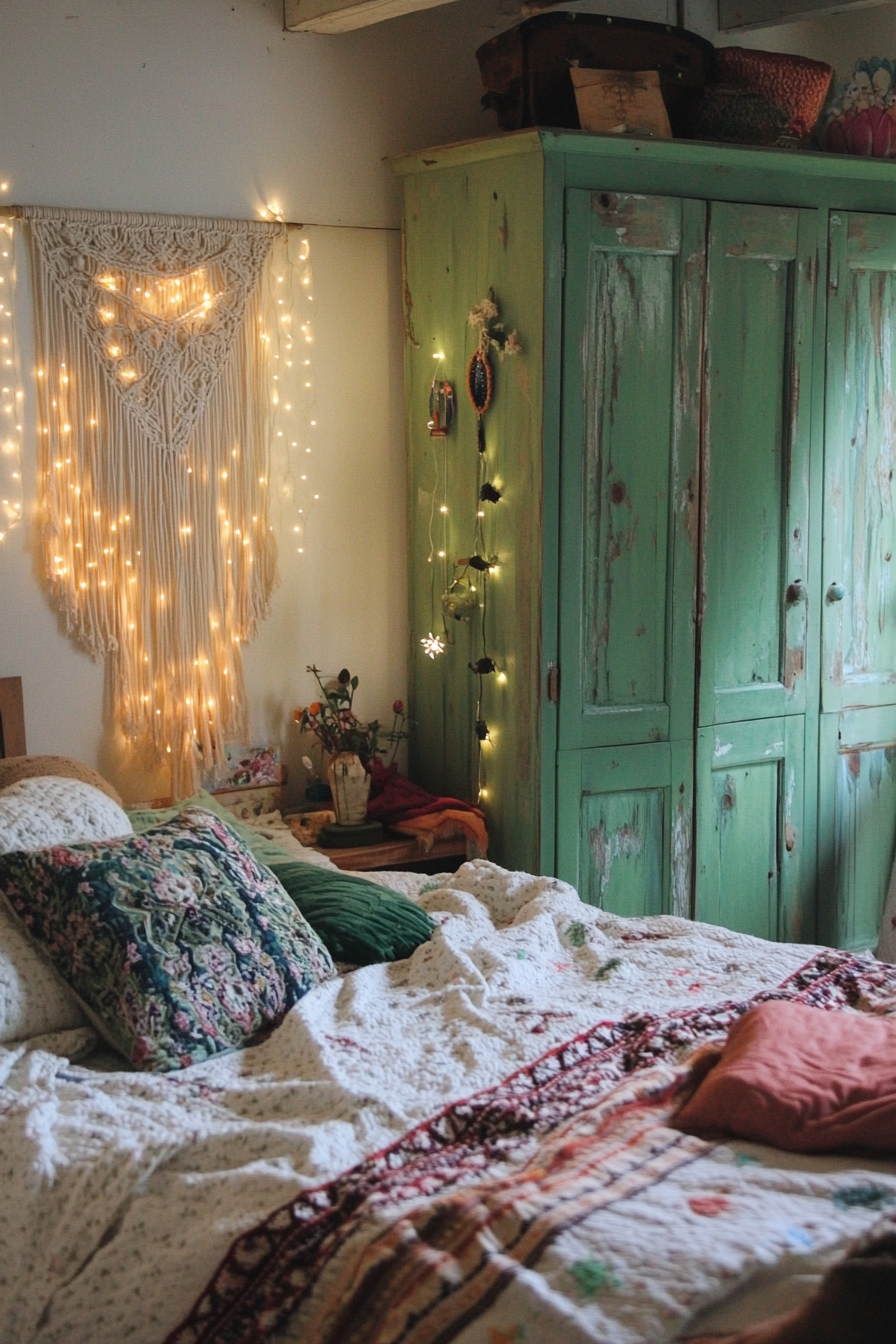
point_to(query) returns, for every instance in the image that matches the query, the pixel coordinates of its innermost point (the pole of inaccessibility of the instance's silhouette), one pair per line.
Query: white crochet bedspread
(121, 1192)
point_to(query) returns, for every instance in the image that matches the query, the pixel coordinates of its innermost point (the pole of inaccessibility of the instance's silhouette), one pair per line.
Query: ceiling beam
(341, 16)
(740, 15)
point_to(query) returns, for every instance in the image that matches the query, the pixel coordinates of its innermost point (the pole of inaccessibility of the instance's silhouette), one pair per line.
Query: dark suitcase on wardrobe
(525, 71)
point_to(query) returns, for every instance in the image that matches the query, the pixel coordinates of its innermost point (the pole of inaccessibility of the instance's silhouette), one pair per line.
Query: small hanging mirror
(480, 380)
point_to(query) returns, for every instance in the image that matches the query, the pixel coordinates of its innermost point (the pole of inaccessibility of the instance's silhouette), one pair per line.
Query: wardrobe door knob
(836, 592)
(796, 592)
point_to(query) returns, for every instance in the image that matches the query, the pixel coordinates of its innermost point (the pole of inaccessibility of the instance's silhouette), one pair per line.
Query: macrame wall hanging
(154, 420)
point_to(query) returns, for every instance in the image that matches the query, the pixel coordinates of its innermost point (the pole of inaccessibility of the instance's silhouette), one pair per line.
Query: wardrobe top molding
(681, 168)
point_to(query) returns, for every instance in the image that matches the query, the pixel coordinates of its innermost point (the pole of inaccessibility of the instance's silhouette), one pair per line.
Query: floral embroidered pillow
(179, 944)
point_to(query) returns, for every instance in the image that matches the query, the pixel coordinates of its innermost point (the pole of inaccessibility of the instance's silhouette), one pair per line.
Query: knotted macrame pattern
(154, 426)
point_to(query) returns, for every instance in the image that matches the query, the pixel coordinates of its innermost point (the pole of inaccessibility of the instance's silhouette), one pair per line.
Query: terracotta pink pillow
(803, 1079)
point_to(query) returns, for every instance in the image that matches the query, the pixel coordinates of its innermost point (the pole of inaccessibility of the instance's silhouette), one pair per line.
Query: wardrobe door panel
(858, 824)
(624, 827)
(755, 479)
(859, 577)
(749, 825)
(633, 310)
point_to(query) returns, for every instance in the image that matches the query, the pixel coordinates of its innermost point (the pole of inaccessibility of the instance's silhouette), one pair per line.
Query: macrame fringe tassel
(159, 552)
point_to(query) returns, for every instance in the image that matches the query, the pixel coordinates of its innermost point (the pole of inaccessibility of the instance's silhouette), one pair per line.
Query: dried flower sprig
(334, 723)
(492, 332)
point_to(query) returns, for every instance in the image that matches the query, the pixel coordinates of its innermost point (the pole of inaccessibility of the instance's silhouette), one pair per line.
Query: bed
(471, 1143)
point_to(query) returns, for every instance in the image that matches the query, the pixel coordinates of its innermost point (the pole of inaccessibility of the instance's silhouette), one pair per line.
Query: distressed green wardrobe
(697, 524)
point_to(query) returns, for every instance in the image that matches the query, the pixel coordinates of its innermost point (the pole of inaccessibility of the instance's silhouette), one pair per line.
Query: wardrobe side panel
(468, 230)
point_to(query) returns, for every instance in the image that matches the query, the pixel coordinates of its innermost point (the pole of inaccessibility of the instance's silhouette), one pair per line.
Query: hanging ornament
(492, 333)
(480, 375)
(480, 389)
(460, 600)
(480, 381)
(432, 645)
(442, 408)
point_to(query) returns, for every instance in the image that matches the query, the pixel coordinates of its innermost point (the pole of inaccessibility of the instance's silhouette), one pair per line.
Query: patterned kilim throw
(416, 1241)
(154, 428)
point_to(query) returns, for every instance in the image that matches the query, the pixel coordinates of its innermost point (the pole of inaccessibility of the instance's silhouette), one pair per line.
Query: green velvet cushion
(357, 921)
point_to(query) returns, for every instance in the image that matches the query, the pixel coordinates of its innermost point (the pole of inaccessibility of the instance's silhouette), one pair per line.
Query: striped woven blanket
(539, 1209)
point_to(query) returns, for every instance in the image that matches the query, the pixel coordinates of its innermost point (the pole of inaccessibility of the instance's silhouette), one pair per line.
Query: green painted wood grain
(633, 303)
(615, 825)
(678, 167)
(467, 231)
(860, 521)
(865, 838)
(755, 479)
(857, 824)
(750, 824)
(623, 841)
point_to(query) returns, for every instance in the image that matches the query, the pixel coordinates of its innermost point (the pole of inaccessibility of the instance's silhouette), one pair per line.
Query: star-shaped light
(432, 645)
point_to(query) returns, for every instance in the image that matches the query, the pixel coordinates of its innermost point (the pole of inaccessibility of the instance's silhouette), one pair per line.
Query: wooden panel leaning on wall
(12, 717)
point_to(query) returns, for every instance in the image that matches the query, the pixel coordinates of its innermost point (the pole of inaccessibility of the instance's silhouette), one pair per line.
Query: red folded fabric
(802, 1079)
(394, 798)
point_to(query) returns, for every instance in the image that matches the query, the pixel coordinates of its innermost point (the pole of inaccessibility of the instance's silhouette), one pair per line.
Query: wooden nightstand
(394, 854)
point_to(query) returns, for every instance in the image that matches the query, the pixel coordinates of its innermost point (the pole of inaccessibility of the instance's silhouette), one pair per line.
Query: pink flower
(397, 706)
(143, 1048)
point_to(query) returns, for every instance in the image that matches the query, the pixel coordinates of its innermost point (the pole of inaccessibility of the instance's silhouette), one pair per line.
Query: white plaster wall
(208, 107)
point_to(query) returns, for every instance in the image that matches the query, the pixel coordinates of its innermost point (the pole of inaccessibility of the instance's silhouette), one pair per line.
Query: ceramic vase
(350, 784)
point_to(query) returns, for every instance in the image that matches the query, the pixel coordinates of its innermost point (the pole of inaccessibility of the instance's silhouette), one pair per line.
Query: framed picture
(253, 801)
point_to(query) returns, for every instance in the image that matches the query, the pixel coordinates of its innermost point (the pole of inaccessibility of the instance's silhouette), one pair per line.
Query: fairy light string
(465, 593)
(289, 324)
(441, 418)
(171, 358)
(12, 395)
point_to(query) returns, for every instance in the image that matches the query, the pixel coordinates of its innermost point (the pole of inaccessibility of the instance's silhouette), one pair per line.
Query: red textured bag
(794, 83)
